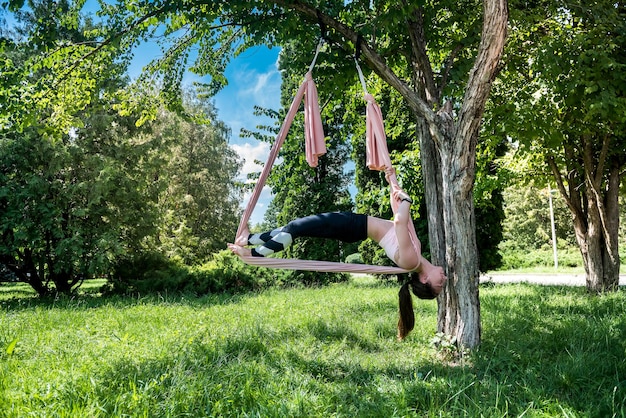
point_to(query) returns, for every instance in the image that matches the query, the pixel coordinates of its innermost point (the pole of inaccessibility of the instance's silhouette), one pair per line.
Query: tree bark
(459, 314)
(611, 258)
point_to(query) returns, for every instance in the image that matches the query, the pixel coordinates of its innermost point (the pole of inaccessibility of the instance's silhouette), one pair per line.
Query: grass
(546, 351)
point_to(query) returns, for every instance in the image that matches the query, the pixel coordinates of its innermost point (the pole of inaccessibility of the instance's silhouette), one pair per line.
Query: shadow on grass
(546, 351)
(549, 351)
(553, 348)
(19, 296)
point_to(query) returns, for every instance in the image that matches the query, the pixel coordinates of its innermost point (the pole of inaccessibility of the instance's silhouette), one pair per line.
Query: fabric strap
(377, 159)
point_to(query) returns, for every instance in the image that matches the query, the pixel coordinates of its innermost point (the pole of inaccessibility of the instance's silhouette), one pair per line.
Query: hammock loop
(377, 159)
(361, 78)
(390, 172)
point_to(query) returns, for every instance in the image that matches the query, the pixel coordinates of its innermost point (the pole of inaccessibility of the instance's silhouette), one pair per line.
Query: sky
(254, 80)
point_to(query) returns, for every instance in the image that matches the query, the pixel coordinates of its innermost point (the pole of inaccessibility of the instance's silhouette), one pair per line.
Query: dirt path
(542, 278)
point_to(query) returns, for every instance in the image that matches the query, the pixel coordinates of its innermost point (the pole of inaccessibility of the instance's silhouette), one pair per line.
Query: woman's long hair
(406, 322)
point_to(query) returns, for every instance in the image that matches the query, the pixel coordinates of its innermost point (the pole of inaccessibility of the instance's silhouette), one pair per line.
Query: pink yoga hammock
(377, 159)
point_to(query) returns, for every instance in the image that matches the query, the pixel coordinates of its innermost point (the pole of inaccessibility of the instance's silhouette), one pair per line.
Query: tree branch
(602, 159)
(373, 60)
(109, 40)
(560, 185)
(495, 19)
(595, 180)
(419, 58)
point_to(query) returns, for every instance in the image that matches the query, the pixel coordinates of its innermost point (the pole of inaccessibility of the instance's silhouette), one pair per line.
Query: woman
(426, 280)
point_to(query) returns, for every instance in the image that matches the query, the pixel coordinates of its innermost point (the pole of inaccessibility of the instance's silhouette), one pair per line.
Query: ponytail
(406, 322)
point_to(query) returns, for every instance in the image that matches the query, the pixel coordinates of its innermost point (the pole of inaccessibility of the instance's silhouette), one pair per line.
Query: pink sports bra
(389, 243)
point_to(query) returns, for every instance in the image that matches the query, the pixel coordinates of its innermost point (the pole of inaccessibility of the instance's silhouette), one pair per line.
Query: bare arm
(407, 257)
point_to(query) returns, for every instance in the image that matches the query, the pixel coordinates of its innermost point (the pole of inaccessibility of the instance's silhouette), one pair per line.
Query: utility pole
(556, 257)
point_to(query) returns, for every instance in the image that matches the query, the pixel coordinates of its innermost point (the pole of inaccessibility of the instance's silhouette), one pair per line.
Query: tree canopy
(440, 57)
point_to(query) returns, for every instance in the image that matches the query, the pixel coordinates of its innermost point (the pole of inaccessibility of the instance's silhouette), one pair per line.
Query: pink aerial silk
(377, 159)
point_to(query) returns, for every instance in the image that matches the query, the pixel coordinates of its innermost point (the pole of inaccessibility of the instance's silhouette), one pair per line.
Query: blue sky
(254, 80)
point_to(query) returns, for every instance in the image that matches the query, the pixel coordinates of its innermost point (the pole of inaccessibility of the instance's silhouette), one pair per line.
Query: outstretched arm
(408, 256)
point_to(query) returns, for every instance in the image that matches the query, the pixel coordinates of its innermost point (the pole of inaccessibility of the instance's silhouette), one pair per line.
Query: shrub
(226, 272)
(355, 258)
(516, 259)
(145, 273)
(153, 273)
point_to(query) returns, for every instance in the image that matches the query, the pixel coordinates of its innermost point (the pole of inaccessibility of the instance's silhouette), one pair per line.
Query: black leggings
(342, 226)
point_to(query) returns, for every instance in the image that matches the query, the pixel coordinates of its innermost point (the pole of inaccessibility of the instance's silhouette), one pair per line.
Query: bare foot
(239, 250)
(242, 239)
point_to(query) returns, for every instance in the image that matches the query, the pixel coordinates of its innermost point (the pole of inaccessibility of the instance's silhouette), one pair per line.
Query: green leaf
(15, 5)
(11, 347)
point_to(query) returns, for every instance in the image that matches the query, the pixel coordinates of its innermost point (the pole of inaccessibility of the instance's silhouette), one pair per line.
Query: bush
(355, 258)
(516, 259)
(154, 273)
(226, 272)
(144, 273)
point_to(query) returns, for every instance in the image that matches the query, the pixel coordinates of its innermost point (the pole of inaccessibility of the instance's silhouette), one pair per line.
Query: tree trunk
(459, 312)
(611, 258)
(26, 272)
(433, 194)
(595, 211)
(459, 308)
(599, 246)
(601, 268)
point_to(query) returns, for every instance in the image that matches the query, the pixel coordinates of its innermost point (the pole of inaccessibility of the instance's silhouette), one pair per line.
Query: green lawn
(331, 351)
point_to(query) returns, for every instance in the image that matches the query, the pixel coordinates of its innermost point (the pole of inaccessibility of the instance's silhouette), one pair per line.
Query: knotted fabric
(377, 158)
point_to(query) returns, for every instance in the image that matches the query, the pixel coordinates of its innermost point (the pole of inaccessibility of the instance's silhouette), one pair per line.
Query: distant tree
(86, 176)
(528, 224)
(61, 190)
(562, 101)
(200, 200)
(72, 204)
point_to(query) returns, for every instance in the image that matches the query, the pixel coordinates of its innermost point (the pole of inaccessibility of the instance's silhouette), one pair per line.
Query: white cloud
(251, 154)
(247, 89)
(262, 89)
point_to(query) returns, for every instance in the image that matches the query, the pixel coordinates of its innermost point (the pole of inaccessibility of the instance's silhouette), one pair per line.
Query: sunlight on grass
(331, 351)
